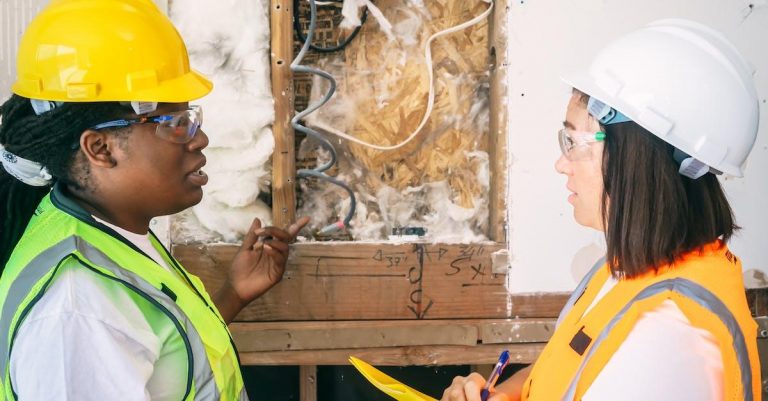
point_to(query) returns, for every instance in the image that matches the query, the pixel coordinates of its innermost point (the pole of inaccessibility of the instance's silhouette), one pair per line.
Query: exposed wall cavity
(228, 41)
(439, 180)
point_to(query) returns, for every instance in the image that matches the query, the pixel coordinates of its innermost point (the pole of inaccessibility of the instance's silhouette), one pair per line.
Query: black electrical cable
(343, 44)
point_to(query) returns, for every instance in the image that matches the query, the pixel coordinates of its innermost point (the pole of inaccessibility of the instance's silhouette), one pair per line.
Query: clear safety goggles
(177, 127)
(575, 144)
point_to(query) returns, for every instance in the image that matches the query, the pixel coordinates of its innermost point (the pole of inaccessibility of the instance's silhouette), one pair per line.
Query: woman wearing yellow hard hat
(653, 120)
(97, 139)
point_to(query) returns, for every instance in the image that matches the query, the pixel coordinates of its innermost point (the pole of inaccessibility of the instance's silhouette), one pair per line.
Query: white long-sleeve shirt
(86, 339)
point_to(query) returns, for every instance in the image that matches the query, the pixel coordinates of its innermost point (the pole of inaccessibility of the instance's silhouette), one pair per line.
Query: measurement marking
(416, 297)
(330, 257)
(380, 255)
(440, 252)
(353, 275)
(482, 285)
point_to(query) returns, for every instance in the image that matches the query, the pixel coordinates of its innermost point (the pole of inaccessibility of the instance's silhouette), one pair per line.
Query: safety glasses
(177, 127)
(575, 144)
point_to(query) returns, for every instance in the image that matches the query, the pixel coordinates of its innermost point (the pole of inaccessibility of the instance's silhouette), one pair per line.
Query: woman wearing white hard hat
(659, 113)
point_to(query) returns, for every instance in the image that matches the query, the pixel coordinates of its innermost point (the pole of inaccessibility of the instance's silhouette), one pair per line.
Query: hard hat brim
(584, 82)
(185, 88)
(188, 87)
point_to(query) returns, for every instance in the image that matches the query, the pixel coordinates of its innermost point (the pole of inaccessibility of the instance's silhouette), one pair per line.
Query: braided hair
(50, 139)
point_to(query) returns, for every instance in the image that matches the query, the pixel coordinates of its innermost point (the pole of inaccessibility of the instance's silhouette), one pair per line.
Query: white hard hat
(685, 83)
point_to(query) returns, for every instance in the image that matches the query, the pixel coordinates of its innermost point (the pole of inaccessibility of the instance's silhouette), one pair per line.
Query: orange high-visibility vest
(708, 288)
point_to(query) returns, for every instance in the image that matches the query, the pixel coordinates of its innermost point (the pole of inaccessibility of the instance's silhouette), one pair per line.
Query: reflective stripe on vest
(47, 262)
(579, 291)
(701, 296)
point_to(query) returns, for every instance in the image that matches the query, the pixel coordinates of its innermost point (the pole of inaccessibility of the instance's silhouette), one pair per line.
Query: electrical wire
(319, 172)
(343, 44)
(431, 97)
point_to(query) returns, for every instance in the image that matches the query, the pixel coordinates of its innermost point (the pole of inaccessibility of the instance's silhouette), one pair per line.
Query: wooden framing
(522, 353)
(368, 281)
(391, 342)
(308, 383)
(281, 336)
(284, 156)
(389, 304)
(497, 145)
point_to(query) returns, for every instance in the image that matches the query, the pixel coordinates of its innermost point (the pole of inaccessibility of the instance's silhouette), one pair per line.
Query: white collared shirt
(86, 340)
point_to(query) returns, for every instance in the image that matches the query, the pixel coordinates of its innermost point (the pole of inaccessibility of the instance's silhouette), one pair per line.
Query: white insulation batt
(228, 41)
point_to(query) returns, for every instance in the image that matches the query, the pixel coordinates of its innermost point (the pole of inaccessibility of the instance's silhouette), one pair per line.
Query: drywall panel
(549, 251)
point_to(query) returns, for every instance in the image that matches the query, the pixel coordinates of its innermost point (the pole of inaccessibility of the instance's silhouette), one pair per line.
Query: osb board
(400, 356)
(298, 336)
(369, 281)
(385, 82)
(443, 151)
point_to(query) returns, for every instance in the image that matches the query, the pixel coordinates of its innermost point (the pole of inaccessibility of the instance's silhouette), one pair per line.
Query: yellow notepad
(388, 385)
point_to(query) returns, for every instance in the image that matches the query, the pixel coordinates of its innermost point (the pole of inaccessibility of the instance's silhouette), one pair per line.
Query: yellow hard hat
(105, 50)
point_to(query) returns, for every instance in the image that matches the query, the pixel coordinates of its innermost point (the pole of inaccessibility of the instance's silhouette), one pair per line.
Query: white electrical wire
(431, 98)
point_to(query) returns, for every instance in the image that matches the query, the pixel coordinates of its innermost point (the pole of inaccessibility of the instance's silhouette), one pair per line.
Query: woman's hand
(258, 265)
(468, 389)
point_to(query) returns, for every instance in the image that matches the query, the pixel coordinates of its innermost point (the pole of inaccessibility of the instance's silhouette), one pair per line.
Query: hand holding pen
(500, 365)
(474, 387)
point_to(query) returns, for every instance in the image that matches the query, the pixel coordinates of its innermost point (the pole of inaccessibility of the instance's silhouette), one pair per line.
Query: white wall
(550, 252)
(14, 17)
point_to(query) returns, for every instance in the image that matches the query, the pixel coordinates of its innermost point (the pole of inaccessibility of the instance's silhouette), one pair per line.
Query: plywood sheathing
(389, 84)
(382, 96)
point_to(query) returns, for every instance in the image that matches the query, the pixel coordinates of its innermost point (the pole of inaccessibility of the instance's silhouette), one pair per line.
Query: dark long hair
(49, 139)
(652, 214)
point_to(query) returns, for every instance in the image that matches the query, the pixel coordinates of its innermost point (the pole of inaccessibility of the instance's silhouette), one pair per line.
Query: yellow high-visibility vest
(61, 232)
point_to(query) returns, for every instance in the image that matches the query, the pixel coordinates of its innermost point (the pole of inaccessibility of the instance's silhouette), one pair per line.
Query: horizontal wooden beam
(296, 336)
(516, 331)
(400, 356)
(757, 299)
(372, 281)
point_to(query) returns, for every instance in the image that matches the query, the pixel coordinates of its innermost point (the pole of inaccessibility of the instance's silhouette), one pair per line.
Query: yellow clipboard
(388, 385)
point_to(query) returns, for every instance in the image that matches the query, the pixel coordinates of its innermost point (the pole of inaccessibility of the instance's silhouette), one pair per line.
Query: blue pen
(500, 365)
